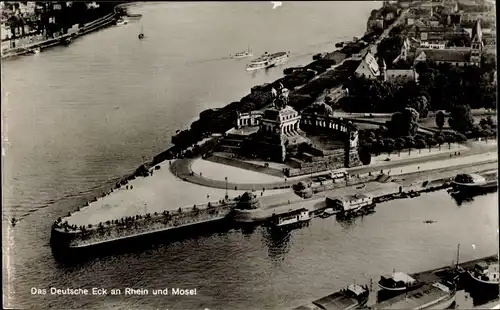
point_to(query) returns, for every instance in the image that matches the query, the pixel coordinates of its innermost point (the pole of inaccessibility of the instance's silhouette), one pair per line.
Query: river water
(82, 116)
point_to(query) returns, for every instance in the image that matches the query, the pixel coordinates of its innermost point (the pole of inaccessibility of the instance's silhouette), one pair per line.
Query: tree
(487, 133)
(404, 123)
(365, 156)
(410, 142)
(461, 118)
(389, 48)
(420, 104)
(431, 142)
(420, 144)
(486, 123)
(389, 145)
(464, 40)
(440, 119)
(449, 138)
(399, 145)
(439, 140)
(378, 147)
(328, 100)
(367, 95)
(460, 138)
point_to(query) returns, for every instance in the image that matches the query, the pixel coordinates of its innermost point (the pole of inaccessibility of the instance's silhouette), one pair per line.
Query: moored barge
(352, 297)
(431, 296)
(351, 205)
(485, 274)
(473, 182)
(291, 219)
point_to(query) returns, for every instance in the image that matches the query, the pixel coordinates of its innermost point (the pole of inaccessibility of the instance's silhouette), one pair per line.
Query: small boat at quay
(431, 296)
(35, 50)
(133, 16)
(328, 212)
(141, 34)
(121, 22)
(472, 181)
(291, 219)
(485, 274)
(397, 281)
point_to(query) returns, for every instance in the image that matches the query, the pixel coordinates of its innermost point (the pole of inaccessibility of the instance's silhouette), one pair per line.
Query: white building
(92, 5)
(27, 9)
(368, 67)
(440, 45)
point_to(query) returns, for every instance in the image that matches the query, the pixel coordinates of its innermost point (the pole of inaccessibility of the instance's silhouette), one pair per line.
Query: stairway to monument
(234, 162)
(230, 144)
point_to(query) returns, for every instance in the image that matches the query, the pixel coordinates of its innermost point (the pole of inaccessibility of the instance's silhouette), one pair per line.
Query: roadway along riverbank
(379, 191)
(182, 169)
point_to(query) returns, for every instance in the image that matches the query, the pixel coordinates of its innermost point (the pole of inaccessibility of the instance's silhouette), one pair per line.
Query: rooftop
(275, 114)
(354, 197)
(370, 60)
(401, 276)
(409, 74)
(446, 55)
(356, 289)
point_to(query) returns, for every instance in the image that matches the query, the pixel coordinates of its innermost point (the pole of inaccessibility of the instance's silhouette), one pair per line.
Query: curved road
(182, 169)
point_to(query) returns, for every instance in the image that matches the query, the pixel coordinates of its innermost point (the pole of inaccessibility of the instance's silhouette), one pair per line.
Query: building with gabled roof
(455, 57)
(368, 67)
(405, 50)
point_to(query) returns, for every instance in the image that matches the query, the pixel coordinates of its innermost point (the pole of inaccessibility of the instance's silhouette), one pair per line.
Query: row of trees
(461, 120)
(378, 144)
(381, 140)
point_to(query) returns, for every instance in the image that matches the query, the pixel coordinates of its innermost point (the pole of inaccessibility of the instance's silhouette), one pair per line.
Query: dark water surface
(80, 117)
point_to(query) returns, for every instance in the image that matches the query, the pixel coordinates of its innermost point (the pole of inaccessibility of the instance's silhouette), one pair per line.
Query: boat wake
(207, 60)
(16, 213)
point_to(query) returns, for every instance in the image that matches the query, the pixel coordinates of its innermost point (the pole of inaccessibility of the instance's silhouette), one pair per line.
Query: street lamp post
(227, 196)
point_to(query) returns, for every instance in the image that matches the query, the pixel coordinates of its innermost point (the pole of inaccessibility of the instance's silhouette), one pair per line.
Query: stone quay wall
(149, 225)
(142, 224)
